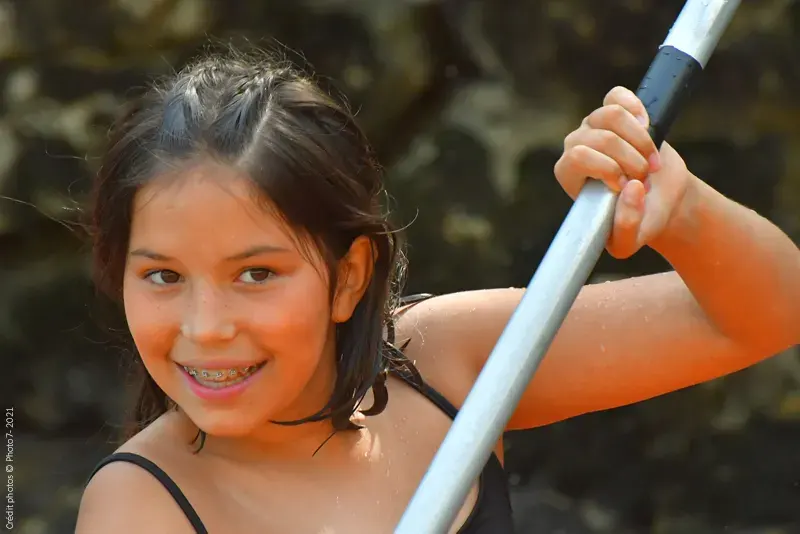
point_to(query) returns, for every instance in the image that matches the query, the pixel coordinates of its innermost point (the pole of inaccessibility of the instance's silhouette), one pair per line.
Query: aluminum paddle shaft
(551, 292)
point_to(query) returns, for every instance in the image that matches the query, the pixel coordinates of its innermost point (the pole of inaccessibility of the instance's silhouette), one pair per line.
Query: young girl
(289, 390)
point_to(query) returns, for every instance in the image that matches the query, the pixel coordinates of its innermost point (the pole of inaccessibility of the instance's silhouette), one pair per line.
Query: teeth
(221, 377)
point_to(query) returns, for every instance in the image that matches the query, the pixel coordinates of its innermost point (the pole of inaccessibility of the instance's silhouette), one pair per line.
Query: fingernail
(642, 119)
(655, 162)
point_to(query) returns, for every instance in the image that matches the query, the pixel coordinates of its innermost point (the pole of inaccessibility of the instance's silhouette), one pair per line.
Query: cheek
(295, 320)
(153, 324)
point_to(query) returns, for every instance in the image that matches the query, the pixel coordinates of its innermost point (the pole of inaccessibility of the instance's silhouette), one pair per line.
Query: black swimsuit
(490, 515)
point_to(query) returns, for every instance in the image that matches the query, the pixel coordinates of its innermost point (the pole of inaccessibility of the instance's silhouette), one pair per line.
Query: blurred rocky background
(468, 102)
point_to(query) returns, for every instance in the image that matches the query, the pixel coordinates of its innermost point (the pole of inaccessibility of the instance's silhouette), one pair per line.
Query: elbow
(770, 337)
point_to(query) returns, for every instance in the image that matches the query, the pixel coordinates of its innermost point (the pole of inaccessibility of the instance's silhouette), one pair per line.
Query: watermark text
(8, 453)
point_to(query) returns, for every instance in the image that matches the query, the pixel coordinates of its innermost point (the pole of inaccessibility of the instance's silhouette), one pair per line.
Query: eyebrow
(245, 254)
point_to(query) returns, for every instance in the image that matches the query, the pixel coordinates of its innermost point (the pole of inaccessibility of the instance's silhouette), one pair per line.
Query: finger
(630, 160)
(619, 120)
(582, 162)
(657, 212)
(628, 215)
(626, 98)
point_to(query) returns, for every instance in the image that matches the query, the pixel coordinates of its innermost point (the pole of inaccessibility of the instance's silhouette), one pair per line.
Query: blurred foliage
(468, 103)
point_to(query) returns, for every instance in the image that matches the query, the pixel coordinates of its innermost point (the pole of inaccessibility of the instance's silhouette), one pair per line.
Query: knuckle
(625, 99)
(598, 117)
(571, 140)
(611, 175)
(565, 163)
(626, 223)
(614, 94)
(616, 172)
(579, 153)
(558, 168)
(616, 112)
(606, 139)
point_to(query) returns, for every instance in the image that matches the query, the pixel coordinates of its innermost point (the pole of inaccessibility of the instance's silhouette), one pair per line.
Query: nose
(206, 320)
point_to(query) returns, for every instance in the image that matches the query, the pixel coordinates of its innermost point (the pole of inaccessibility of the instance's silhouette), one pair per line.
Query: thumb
(624, 241)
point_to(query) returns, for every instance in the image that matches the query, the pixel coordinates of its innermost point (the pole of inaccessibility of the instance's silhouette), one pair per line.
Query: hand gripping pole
(551, 292)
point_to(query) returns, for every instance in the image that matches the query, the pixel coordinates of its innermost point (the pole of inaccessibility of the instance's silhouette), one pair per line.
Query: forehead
(203, 205)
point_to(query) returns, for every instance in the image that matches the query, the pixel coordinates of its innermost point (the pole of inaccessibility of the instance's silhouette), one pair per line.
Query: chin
(225, 425)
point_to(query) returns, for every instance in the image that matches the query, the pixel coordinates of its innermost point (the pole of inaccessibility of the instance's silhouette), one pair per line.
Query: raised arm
(733, 300)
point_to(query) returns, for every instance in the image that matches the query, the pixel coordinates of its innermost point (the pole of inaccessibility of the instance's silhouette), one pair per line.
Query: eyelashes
(257, 275)
(167, 277)
(163, 277)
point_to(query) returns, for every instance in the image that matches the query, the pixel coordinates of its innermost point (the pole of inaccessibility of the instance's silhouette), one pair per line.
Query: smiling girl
(287, 388)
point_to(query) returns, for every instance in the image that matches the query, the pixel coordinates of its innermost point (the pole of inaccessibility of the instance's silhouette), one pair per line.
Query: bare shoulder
(115, 498)
(442, 333)
(117, 495)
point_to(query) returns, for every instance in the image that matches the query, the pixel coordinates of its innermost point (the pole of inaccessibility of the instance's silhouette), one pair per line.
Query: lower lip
(216, 394)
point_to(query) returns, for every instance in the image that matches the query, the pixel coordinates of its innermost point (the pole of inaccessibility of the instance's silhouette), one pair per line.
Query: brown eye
(164, 277)
(255, 276)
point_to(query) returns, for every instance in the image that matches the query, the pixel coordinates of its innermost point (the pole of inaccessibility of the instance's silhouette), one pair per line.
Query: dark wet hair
(306, 155)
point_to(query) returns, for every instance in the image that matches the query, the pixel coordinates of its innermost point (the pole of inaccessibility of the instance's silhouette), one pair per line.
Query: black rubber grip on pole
(668, 82)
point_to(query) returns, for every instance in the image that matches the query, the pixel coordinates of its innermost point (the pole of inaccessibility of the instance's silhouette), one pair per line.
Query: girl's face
(232, 320)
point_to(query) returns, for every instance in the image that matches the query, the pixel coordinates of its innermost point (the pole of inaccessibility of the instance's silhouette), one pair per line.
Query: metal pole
(555, 285)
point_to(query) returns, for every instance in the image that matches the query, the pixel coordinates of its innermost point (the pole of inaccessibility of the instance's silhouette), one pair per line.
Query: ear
(354, 275)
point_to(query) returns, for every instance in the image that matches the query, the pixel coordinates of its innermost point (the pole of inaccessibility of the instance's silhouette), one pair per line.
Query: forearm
(742, 270)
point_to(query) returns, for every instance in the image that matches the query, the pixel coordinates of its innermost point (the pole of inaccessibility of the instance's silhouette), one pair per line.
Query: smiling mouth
(222, 378)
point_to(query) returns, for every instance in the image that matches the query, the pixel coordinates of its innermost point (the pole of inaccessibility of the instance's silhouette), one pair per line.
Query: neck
(280, 443)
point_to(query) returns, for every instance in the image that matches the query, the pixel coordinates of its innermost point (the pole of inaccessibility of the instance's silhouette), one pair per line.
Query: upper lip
(217, 364)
